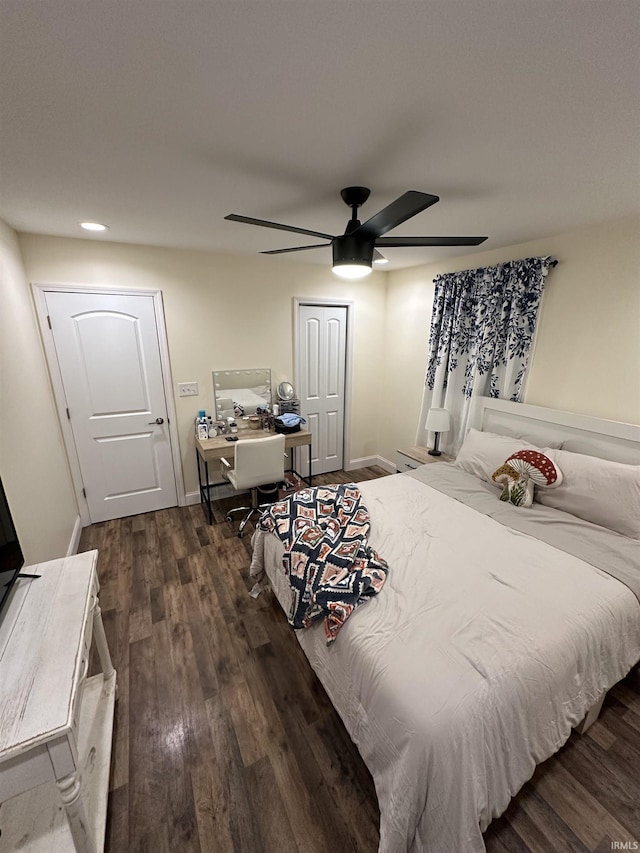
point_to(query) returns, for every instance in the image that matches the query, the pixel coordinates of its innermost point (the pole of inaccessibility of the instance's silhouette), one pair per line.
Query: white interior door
(109, 358)
(322, 339)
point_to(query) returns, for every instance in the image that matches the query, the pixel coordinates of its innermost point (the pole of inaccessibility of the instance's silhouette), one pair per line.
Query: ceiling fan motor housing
(348, 249)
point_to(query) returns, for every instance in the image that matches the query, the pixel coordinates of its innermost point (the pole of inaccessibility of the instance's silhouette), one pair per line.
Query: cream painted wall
(225, 311)
(587, 353)
(33, 462)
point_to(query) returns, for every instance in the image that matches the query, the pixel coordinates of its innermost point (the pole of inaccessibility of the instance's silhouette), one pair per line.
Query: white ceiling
(158, 117)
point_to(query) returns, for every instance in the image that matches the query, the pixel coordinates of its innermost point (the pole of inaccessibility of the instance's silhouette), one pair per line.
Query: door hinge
(49, 321)
(84, 492)
(68, 415)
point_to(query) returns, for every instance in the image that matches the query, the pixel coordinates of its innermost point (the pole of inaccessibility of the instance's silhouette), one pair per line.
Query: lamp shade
(438, 420)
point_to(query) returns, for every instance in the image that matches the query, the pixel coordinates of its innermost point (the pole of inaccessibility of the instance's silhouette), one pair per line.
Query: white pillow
(602, 492)
(484, 452)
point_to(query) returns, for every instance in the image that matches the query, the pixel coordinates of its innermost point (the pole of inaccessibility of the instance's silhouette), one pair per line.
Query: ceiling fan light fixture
(352, 257)
(351, 271)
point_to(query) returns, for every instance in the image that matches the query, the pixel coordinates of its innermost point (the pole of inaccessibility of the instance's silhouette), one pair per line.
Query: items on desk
(266, 418)
(286, 391)
(291, 419)
(214, 428)
(206, 427)
(288, 422)
(287, 400)
(202, 426)
(227, 425)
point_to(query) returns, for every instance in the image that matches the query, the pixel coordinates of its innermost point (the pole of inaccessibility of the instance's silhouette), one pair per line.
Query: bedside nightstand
(413, 457)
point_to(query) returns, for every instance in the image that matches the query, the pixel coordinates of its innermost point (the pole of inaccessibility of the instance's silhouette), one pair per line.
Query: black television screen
(11, 559)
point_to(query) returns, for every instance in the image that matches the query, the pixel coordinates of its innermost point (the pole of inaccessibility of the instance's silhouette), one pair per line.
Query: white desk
(56, 725)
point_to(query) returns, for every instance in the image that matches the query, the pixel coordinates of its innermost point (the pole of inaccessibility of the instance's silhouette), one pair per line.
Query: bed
(498, 628)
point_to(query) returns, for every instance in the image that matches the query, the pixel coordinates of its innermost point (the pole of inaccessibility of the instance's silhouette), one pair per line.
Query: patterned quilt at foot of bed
(330, 566)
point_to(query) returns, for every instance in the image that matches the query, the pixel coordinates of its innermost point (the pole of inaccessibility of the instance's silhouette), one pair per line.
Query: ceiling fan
(355, 250)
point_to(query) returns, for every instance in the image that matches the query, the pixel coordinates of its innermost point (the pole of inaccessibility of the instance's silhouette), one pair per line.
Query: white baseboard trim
(75, 537)
(367, 461)
(391, 467)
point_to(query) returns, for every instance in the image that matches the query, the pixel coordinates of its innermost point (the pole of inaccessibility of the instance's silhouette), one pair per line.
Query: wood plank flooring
(226, 741)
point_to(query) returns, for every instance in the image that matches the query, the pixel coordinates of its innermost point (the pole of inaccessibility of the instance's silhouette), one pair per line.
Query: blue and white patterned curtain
(482, 329)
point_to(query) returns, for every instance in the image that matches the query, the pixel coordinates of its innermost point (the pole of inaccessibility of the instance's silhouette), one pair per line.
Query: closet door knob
(157, 421)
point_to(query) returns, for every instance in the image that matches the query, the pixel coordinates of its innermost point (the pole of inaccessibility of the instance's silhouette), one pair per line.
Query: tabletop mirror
(247, 389)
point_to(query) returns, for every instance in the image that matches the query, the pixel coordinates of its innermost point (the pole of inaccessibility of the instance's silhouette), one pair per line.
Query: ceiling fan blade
(234, 217)
(295, 249)
(388, 242)
(394, 214)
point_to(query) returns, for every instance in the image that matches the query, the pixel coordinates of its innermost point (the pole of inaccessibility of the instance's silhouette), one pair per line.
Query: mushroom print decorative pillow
(522, 472)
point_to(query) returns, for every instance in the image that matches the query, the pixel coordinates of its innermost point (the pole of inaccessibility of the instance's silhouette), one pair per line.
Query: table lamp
(438, 420)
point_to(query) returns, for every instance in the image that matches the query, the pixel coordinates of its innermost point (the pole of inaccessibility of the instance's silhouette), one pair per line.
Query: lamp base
(436, 445)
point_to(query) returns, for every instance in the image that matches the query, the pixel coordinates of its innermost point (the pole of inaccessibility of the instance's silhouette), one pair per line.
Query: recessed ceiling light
(381, 261)
(93, 226)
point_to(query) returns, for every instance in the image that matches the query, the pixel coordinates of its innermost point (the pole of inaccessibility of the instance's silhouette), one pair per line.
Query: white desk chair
(258, 462)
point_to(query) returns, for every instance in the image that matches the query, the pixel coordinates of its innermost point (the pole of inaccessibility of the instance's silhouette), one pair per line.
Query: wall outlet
(188, 389)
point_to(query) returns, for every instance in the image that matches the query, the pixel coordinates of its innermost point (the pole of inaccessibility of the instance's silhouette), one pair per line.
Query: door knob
(157, 421)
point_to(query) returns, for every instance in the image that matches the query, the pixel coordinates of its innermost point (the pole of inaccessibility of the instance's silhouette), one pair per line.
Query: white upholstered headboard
(543, 427)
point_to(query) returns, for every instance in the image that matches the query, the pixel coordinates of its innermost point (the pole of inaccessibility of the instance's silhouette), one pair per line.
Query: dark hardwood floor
(226, 741)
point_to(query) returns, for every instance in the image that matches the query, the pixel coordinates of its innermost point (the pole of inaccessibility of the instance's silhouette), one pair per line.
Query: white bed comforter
(484, 649)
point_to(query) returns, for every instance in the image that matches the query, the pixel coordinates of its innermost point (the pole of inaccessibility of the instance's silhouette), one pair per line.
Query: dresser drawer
(405, 462)
(25, 772)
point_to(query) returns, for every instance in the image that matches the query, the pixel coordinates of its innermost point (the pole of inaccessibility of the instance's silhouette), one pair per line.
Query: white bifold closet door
(321, 370)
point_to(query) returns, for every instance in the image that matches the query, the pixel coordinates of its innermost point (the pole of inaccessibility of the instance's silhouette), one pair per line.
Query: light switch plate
(188, 389)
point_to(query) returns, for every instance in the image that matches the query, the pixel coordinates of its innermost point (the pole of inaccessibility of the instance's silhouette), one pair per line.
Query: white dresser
(56, 724)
